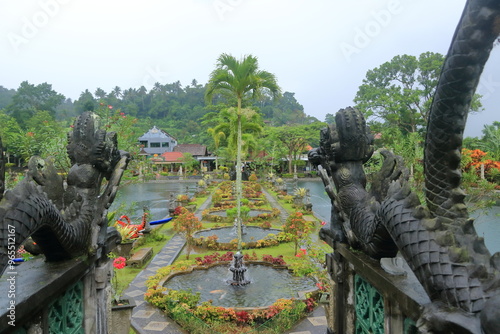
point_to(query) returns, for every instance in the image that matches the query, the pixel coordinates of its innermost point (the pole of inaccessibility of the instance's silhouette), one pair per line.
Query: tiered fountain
(238, 269)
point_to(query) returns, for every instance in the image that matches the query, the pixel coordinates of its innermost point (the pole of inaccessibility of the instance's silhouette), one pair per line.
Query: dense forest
(171, 107)
(175, 108)
(34, 118)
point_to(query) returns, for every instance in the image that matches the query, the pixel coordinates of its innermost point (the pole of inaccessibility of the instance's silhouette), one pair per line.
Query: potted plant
(121, 308)
(125, 246)
(182, 200)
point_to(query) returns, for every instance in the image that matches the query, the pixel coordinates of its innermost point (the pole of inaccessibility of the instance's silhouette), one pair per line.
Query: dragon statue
(67, 218)
(437, 240)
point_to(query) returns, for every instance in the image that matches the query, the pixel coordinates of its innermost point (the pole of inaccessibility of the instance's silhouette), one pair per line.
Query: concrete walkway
(147, 319)
(275, 204)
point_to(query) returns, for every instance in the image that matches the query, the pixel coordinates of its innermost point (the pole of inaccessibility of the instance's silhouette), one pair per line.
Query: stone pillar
(338, 314)
(90, 302)
(101, 299)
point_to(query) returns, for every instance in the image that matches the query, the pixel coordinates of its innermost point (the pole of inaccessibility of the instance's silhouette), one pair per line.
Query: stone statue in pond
(66, 218)
(438, 240)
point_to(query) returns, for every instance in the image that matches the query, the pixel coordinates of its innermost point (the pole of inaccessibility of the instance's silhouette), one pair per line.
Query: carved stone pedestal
(121, 316)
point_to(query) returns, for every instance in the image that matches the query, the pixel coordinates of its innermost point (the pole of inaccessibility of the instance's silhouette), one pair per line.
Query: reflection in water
(318, 197)
(488, 226)
(487, 223)
(155, 196)
(322, 205)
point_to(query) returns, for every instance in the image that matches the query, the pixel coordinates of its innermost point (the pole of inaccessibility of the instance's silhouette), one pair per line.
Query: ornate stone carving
(438, 240)
(65, 218)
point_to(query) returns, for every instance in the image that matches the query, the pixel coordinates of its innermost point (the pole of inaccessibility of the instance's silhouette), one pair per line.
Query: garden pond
(267, 284)
(157, 196)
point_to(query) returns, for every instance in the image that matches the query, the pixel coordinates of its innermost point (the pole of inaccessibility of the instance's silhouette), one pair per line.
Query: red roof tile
(171, 156)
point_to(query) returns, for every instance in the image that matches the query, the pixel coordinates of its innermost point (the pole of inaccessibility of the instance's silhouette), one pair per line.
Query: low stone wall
(47, 296)
(365, 298)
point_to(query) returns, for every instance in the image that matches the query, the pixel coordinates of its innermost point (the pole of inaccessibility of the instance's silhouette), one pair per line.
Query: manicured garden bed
(195, 317)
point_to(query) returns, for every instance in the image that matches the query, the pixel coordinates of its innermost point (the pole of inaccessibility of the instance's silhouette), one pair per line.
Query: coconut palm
(240, 79)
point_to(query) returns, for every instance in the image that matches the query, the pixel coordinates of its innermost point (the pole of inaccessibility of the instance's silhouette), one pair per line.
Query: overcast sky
(320, 50)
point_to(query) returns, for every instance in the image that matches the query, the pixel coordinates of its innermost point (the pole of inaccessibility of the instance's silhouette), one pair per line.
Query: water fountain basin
(268, 283)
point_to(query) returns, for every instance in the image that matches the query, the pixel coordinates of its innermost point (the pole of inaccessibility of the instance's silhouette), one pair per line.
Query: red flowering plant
(472, 160)
(186, 224)
(297, 228)
(118, 263)
(177, 210)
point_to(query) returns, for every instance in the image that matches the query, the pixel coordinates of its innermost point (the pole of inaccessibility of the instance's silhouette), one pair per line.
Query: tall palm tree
(240, 79)
(100, 93)
(216, 136)
(117, 92)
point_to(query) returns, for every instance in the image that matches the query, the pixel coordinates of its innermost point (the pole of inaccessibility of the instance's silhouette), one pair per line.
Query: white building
(157, 141)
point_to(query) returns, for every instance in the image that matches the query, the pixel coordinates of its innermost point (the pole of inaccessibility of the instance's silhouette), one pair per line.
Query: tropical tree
(297, 228)
(491, 140)
(116, 92)
(10, 134)
(43, 137)
(286, 111)
(240, 79)
(186, 223)
(296, 139)
(216, 136)
(6, 96)
(227, 124)
(100, 93)
(400, 91)
(189, 162)
(86, 102)
(31, 98)
(274, 150)
(409, 146)
(330, 118)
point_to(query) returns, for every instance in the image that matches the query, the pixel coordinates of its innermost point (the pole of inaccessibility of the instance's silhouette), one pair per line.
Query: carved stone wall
(366, 299)
(67, 297)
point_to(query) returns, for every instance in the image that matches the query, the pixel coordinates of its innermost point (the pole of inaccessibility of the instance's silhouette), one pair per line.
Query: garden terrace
(183, 305)
(222, 238)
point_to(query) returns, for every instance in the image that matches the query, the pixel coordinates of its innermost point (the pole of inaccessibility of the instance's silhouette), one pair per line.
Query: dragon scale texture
(438, 241)
(65, 220)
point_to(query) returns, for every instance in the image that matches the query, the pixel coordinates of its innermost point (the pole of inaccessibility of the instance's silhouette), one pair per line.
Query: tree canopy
(31, 98)
(399, 92)
(296, 140)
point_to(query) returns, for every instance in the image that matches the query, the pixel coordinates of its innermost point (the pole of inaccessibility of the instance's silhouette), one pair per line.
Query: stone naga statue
(65, 220)
(438, 241)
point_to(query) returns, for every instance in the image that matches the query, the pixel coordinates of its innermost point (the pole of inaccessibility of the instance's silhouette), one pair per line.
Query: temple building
(157, 141)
